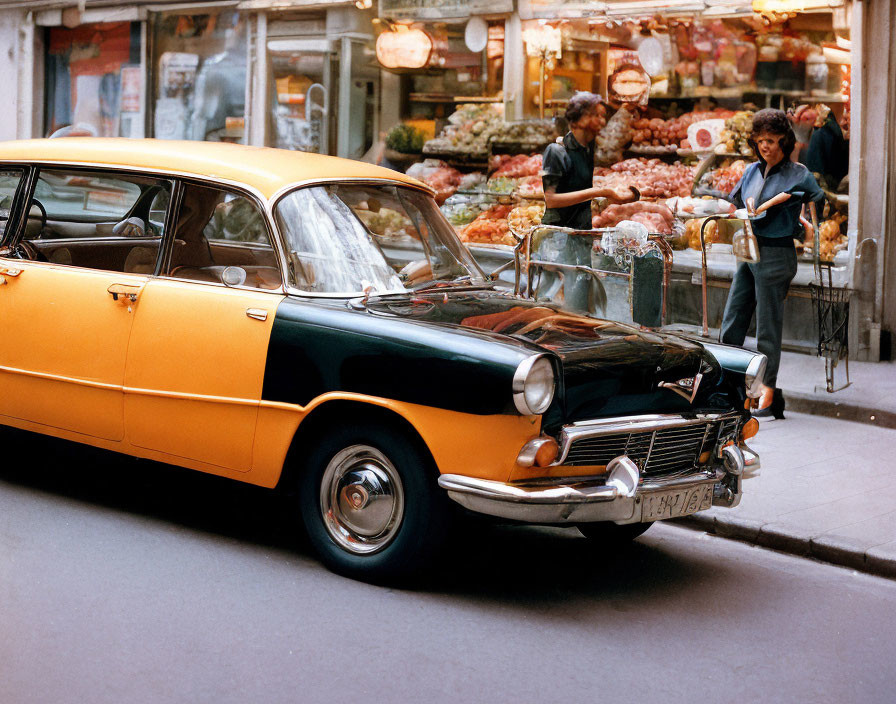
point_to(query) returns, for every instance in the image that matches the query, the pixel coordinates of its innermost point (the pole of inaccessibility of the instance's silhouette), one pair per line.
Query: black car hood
(609, 368)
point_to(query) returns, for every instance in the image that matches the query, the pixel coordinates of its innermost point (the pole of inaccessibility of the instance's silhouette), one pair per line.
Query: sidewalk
(827, 487)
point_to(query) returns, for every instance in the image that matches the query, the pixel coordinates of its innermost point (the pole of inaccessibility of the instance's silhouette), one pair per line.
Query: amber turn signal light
(540, 452)
(751, 427)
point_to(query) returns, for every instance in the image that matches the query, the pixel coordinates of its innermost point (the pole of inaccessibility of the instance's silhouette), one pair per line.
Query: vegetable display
(652, 177)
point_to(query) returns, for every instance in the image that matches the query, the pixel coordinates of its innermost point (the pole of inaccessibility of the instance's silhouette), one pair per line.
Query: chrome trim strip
(630, 424)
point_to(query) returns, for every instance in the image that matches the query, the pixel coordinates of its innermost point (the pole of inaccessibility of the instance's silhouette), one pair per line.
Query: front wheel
(613, 533)
(371, 505)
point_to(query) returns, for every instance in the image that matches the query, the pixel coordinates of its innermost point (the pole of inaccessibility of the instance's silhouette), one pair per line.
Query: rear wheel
(613, 533)
(371, 504)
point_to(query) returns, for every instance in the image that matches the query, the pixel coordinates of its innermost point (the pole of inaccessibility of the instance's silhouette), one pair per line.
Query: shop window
(301, 95)
(199, 83)
(91, 73)
(221, 237)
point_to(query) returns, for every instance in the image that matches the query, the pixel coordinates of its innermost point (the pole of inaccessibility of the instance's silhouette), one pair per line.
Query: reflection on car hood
(609, 368)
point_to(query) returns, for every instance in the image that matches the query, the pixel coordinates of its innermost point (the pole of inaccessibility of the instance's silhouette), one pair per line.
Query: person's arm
(552, 199)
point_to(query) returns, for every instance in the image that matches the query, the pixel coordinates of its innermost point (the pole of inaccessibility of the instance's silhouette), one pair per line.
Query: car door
(66, 324)
(198, 349)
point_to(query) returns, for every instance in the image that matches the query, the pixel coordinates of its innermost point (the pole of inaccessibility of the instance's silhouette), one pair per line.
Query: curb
(792, 540)
(813, 405)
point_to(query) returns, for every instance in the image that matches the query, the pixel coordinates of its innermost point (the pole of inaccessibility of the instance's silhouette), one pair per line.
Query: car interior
(117, 223)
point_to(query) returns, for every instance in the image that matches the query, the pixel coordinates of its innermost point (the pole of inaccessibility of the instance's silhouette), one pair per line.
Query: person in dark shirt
(828, 152)
(762, 287)
(567, 175)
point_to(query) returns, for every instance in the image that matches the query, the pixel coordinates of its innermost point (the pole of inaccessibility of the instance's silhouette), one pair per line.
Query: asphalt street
(128, 581)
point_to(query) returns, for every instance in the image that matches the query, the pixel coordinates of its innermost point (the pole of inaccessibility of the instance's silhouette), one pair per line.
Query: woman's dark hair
(580, 104)
(771, 121)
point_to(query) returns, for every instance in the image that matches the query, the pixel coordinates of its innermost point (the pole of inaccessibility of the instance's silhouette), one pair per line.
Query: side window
(221, 237)
(9, 185)
(97, 220)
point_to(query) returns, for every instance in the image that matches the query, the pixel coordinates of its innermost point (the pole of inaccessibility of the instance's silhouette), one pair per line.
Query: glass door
(302, 74)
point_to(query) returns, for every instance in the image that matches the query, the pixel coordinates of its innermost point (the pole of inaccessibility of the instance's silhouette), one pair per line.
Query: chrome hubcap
(361, 499)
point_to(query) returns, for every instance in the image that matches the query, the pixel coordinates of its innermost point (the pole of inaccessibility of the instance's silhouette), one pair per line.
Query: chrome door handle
(10, 271)
(257, 313)
(128, 292)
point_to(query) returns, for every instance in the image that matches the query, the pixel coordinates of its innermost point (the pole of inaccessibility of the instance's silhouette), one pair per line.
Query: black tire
(357, 463)
(613, 533)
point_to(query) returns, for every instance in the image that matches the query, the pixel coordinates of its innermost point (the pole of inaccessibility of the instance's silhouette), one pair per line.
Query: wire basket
(832, 319)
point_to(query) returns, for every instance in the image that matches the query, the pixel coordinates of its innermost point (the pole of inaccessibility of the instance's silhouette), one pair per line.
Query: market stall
(680, 93)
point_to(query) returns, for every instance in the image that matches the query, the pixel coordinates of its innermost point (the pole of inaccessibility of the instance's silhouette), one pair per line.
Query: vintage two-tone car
(299, 321)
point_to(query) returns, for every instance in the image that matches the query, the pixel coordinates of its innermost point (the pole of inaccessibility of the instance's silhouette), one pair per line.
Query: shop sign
(441, 9)
(404, 48)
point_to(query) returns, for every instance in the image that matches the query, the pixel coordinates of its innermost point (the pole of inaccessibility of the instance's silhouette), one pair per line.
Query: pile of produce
(405, 139)
(443, 179)
(725, 177)
(656, 217)
(462, 210)
(613, 138)
(530, 187)
(531, 132)
(525, 217)
(672, 133)
(710, 236)
(654, 178)
(469, 130)
(733, 139)
(515, 166)
(501, 185)
(830, 239)
(490, 227)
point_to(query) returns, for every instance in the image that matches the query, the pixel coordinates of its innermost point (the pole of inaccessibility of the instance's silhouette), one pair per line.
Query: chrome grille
(656, 452)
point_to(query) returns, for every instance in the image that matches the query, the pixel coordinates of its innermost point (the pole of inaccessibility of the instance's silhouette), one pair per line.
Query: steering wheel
(27, 251)
(43, 213)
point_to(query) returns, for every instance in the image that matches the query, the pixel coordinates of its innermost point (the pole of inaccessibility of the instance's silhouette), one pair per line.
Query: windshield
(351, 238)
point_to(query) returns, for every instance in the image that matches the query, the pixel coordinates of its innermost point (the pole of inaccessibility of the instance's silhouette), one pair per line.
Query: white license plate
(675, 502)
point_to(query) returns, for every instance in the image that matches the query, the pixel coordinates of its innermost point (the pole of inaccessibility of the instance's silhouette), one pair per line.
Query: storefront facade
(259, 72)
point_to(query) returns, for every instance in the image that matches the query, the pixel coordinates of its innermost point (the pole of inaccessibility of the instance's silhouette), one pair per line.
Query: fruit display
(711, 235)
(733, 139)
(490, 227)
(530, 187)
(525, 217)
(672, 133)
(469, 130)
(443, 179)
(516, 166)
(654, 178)
(656, 217)
(830, 238)
(723, 177)
(534, 133)
(501, 185)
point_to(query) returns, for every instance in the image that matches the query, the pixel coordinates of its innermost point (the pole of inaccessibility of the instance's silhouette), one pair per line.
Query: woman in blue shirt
(762, 287)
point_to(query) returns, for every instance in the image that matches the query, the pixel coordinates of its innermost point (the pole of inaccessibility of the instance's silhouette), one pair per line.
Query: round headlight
(533, 385)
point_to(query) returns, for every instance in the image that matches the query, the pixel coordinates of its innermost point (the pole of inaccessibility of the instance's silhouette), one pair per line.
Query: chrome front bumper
(573, 501)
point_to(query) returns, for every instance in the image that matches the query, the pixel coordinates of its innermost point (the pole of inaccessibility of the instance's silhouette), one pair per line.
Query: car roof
(265, 169)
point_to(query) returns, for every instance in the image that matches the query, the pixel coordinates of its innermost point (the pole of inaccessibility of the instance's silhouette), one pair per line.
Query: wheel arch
(344, 412)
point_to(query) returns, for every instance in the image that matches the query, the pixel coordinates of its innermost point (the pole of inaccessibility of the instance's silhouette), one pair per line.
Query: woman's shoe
(774, 408)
